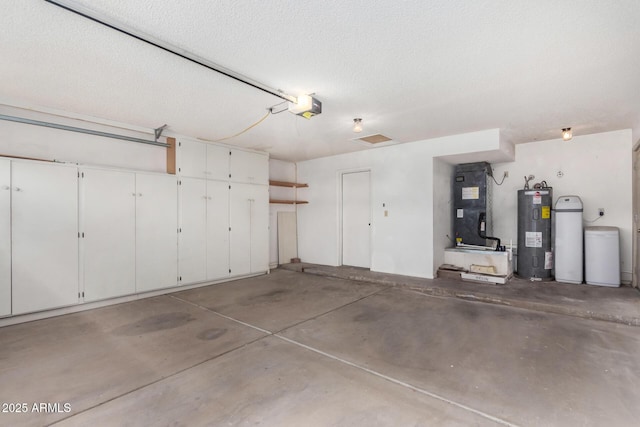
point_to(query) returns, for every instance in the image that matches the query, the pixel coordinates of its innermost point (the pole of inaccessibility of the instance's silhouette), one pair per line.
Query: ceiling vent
(374, 139)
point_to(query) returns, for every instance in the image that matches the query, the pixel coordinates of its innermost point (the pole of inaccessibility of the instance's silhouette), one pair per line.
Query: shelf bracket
(158, 131)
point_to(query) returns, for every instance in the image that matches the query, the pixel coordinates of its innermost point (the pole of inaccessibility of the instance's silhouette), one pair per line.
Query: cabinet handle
(139, 194)
(6, 187)
(133, 194)
(18, 189)
(209, 198)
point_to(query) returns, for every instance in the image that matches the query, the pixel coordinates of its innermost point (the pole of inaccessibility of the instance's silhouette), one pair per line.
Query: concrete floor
(299, 349)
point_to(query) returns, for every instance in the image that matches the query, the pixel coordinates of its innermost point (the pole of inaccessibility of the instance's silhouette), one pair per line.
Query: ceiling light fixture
(567, 134)
(357, 125)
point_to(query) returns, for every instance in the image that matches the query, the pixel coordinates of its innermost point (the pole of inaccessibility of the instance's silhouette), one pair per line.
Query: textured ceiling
(411, 69)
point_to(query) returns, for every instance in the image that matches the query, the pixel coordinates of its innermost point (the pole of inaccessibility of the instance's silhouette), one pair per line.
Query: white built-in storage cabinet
(44, 235)
(5, 237)
(128, 232)
(224, 212)
(71, 234)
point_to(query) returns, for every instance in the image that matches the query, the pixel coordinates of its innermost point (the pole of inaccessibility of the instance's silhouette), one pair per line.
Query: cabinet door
(217, 230)
(217, 162)
(108, 214)
(192, 159)
(259, 228)
(240, 223)
(156, 232)
(248, 167)
(193, 226)
(5, 237)
(45, 236)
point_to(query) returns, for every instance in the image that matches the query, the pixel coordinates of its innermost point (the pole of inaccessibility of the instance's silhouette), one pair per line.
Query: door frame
(635, 231)
(340, 175)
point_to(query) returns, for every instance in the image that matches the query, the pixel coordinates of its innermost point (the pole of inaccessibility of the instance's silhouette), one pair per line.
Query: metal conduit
(80, 130)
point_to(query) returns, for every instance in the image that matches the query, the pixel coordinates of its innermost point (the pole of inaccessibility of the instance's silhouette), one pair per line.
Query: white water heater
(568, 239)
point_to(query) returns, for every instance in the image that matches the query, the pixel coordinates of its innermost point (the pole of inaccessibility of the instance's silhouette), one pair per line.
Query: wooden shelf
(287, 184)
(287, 202)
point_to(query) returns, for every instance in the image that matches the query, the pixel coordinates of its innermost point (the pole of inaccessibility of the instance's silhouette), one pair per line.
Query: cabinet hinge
(83, 234)
(82, 294)
(229, 152)
(229, 228)
(229, 270)
(179, 182)
(179, 169)
(78, 294)
(229, 186)
(180, 279)
(179, 230)
(82, 174)
(179, 144)
(78, 174)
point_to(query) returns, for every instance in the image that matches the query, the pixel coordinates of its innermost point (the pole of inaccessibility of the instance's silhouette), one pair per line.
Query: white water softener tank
(568, 239)
(602, 256)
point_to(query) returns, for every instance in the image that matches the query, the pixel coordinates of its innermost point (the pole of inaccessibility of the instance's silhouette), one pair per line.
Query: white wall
(17, 139)
(598, 168)
(402, 177)
(443, 210)
(280, 170)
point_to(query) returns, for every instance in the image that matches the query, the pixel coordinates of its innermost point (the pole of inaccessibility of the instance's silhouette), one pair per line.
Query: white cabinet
(204, 230)
(217, 230)
(248, 167)
(200, 160)
(44, 235)
(249, 235)
(192, 159)
(108, 207)
(5, 237)
(217, 162)
(156, 232)
(193, 225)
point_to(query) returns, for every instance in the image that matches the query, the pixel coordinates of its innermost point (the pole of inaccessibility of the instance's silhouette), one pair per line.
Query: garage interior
(271, 213)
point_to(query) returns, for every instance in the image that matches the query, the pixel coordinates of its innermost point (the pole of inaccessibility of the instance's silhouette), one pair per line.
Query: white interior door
(193, 226)
(108, 230)
(217, 230)
(156, 232)
(45, 236)
(5, 237)
(356, 219)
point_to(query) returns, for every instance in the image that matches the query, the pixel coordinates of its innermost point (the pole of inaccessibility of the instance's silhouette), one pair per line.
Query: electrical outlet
(601, 211)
